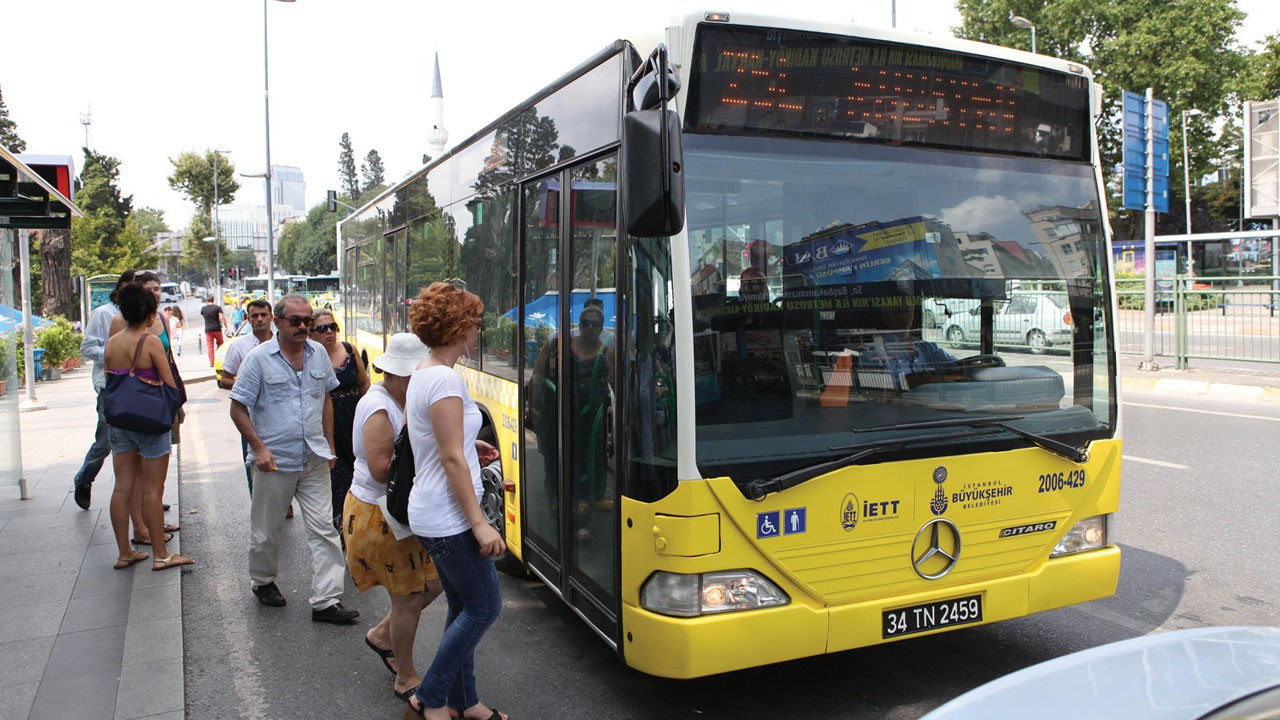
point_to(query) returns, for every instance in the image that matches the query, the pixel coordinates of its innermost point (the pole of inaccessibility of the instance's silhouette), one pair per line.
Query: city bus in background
(322, 290)
(727, 437)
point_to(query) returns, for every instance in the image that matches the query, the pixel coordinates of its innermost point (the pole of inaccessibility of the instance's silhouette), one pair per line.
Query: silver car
(1037, 321)
(1206, 673)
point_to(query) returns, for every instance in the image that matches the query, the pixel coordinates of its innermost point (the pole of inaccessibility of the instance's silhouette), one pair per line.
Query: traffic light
(222, 277)
(331, 198)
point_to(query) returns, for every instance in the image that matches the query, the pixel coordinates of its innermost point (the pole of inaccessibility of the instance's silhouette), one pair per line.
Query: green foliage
(193, 176)
(1262, 79)
(499, 334)
(103, 241)
(309, 247)
(6, 357)
(347, 168)
(1130, 295)
(9, 131)
(196, 253)
(59, 341)
(372, 171)
(1183, 49)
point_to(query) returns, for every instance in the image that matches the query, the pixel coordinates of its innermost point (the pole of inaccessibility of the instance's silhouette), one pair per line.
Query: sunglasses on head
(327, 327)
(298, 320)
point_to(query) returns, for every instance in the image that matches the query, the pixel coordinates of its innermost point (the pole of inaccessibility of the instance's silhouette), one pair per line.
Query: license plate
(932, 616)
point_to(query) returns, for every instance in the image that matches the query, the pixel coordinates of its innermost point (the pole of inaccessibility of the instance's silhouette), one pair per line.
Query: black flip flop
(385, 655)
(406, 694)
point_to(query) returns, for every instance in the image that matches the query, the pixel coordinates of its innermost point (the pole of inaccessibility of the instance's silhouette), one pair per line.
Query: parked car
(1037, 321)
(1206, 673)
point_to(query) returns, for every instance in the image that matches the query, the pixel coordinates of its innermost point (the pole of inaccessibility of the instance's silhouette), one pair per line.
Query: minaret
(437, 136)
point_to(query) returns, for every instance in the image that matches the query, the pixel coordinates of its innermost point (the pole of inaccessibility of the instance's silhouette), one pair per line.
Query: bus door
(569, 335)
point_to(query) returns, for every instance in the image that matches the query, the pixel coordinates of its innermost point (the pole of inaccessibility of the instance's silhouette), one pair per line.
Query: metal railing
(1212, 318)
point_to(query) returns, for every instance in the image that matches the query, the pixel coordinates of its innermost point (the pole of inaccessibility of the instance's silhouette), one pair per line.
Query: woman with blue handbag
(139, 402)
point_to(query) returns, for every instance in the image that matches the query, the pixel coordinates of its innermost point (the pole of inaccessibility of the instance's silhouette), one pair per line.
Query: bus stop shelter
(34, 196)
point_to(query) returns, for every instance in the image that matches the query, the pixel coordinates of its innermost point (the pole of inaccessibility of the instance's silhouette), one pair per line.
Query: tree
(309, 247)
(347, 168)
(371, 170)
(193, 177)
(9, 130)
(56, 294)
(103, 242)
(1262, 78)
(1183, 49)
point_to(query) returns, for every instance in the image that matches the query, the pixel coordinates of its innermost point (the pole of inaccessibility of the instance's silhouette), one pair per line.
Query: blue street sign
(1134, 148)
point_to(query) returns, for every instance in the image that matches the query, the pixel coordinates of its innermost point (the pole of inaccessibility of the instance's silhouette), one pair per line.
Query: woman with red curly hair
(444, 506)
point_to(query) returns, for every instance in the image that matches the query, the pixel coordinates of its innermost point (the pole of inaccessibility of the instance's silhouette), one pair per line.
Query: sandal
(405, 694)
(122, 563)
(174, 560)
(171, 528)
(386, 655)
(168, 536)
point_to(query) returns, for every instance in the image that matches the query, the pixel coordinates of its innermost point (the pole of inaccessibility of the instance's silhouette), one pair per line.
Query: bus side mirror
(653, 170)
(652, 152)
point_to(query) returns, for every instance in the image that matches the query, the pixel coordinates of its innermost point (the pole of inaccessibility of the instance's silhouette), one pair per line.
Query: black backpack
(400, 477)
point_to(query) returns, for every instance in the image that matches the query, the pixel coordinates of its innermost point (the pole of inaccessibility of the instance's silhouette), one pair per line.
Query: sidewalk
(1225, 384)
(79, 638)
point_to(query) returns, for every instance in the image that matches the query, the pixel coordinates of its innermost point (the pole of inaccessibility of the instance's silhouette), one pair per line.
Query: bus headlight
(693, 595)
(1088, 534)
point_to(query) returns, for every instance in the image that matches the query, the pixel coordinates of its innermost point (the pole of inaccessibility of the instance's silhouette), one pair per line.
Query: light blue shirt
(95, 341)
(285, 405)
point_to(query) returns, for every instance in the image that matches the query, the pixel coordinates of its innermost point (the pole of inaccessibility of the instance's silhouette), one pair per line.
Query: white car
(1203, 674)
(1036, 321)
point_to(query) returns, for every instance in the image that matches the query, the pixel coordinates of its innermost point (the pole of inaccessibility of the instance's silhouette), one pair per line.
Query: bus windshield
(843, 288)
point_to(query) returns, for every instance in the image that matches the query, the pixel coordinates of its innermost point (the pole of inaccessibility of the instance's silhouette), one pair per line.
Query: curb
(1226, 391)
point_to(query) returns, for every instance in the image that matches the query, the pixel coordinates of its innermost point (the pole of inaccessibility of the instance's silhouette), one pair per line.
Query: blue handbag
(132, 403)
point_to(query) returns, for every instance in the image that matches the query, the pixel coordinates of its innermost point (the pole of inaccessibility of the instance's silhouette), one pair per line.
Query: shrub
(59, 341)
(6, 357)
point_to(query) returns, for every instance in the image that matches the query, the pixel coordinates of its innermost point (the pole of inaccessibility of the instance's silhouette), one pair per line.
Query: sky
(162, 77)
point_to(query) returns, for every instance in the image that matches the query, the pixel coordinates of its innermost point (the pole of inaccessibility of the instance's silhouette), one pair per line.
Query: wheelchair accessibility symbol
(768, 524)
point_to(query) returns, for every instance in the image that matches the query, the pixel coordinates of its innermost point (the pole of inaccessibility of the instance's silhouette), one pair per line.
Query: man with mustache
(280, 404)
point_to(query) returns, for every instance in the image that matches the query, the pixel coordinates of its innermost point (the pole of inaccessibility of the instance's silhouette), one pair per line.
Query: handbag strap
(133, 367)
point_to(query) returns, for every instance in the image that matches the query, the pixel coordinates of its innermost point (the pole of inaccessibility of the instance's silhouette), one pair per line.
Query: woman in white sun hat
(374, 555)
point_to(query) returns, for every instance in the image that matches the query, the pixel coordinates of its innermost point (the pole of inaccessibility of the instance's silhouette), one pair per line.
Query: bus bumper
(694, 647)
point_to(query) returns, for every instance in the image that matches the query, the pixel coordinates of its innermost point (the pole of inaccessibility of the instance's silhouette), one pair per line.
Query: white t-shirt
(433, 512)
(363, 486)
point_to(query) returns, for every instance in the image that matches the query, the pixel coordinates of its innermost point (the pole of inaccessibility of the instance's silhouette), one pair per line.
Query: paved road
(1197, 552)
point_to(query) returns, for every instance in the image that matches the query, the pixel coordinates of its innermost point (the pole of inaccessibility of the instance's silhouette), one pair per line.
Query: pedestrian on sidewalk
(280, 404)
(215, 324)
(140, 460)
(95, 339)
(444, 505)
(176, 319)
(353, 383)
(376, 555)
(160, 328)
(259, 314)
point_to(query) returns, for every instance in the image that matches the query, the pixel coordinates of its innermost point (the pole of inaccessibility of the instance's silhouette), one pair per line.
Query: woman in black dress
(353, 382)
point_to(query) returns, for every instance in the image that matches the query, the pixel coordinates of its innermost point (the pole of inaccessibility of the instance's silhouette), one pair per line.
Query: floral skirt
(376, 557)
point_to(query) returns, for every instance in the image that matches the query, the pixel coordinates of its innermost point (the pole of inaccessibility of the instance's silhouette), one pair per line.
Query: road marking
(1205, 412)
(1161, 463)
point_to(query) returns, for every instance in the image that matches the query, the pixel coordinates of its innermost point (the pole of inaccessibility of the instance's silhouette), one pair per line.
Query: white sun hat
(404, 352)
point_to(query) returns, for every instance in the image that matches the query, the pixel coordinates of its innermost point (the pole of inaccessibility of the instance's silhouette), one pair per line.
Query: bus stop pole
(1149, 250)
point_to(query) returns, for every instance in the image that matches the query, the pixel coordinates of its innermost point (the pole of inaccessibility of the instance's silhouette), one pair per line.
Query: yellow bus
(728, 439)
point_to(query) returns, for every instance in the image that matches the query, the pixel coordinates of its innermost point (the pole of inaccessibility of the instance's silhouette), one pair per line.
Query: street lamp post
(217, 224)
(1020, 22)
(266, 112)
(1186, 177)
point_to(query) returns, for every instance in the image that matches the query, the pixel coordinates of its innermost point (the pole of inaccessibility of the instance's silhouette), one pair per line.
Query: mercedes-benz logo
(940, 550)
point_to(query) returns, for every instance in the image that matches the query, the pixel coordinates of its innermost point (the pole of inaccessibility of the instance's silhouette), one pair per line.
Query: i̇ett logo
(849, 512)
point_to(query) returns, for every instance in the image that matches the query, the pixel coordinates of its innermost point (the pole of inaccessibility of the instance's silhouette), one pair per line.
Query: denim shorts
(148, 445)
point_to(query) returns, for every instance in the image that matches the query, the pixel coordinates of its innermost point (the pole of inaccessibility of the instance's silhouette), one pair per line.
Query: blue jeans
(98, 451)
(471, 588)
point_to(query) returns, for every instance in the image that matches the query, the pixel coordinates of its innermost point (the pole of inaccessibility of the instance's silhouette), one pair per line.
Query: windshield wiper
(1075, 454)
(762, 488)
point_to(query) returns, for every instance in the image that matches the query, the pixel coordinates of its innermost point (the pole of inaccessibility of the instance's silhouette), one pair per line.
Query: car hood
(1181, 674)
